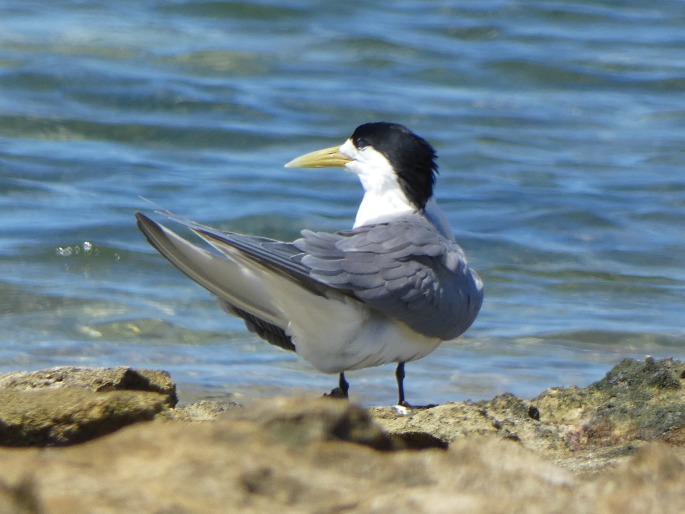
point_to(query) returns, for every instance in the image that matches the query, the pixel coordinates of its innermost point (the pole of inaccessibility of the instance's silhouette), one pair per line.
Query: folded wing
(404, 268)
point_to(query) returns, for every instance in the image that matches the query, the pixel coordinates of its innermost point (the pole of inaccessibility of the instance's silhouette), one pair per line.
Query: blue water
(561, 133)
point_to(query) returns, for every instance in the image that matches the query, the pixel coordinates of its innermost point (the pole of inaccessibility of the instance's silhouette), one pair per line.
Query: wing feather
(404, 268)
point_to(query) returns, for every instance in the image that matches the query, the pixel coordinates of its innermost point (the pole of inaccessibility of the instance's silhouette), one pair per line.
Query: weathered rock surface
(582, 429)
(92, 379)
(615, 446)
(70, 405)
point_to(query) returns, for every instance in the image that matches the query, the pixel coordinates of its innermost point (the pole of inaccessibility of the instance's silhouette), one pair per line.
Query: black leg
(341, 390)
(343, 385)
(399, 373)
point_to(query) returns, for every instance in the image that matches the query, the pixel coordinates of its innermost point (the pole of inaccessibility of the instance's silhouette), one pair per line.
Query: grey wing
(281, 257)
(404, 268)
(236, 292)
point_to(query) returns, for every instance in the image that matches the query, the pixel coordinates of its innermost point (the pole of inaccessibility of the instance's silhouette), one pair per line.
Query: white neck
(377, 209)
(380, 206)
(383, 196)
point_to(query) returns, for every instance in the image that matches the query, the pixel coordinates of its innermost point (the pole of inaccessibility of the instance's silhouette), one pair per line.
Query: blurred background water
(561, 133)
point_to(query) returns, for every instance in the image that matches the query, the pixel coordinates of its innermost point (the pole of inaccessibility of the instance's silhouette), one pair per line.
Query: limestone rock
(295, 422)
(614, 446)
(267, 458)
(70, 405)
(583, 429)
(93, 379)
(200, 411)
(19, 499)
(635, 401)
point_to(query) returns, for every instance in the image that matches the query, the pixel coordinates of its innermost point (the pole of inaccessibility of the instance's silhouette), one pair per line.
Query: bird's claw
(409, 407)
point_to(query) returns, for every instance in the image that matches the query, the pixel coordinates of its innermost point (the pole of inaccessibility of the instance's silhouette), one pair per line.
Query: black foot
(336, 393)
(341, 390)
(407, 405)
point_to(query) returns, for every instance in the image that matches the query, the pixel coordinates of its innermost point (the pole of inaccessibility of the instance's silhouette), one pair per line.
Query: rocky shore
(115, 440)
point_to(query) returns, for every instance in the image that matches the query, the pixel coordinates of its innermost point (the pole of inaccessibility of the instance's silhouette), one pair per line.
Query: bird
(388, 290)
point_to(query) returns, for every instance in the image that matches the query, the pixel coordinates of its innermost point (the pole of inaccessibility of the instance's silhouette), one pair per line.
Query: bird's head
(385, 156)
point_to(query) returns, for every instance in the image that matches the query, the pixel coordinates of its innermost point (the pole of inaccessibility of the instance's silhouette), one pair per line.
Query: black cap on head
(411, 156)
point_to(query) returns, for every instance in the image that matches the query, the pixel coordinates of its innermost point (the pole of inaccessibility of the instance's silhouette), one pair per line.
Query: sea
(560, 130)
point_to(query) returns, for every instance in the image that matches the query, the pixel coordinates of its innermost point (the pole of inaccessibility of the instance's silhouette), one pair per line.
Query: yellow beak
(326, 158)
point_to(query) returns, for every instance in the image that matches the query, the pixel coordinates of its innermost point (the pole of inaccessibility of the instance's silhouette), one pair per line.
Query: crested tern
(390, 289)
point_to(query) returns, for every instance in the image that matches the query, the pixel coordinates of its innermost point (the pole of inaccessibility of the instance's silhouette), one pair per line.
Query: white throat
(381, 206)
(383, 196)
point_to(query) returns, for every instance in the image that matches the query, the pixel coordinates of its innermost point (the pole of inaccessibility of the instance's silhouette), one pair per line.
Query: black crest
(412, 157)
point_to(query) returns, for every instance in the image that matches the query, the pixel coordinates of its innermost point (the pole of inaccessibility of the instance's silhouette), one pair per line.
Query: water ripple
(558, 125)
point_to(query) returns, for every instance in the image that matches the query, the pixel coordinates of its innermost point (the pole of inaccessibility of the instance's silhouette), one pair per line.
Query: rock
(245, 465)
(583, 429)
(70, 405)
(635, 401)
(19, 499)
(614, 446)
(652, 481)
(267, 458)
(296, 422)
(200, 411)
(68, 416)
(93, 379)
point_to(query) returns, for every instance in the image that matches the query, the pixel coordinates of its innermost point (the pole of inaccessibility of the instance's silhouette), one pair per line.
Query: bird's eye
(361, 143)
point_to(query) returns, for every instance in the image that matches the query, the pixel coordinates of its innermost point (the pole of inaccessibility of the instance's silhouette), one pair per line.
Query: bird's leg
(341, 390)
(399, 373)
(343, 385)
